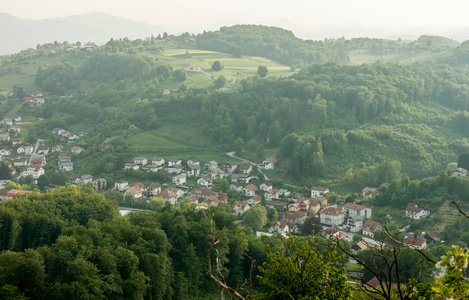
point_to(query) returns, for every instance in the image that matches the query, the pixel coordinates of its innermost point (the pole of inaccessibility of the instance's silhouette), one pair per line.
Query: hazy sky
(178, 14)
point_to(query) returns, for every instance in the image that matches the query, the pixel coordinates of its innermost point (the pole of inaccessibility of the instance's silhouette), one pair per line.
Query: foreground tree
(299, 271)
(391, 269)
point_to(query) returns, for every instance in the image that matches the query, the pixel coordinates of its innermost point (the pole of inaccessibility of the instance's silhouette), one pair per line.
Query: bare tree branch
(458, 206)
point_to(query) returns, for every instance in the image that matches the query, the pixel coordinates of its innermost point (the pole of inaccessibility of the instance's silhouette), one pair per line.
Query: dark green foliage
(311, 225)
(463, 161)
(216, 66)
(4, 171)
(221, 82)
(56, 78)
(300, 271)
(180, 75)
(262, 71)
(272, 42)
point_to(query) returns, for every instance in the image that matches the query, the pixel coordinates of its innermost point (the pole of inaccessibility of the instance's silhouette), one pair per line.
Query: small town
(217, 150)
(193, 182)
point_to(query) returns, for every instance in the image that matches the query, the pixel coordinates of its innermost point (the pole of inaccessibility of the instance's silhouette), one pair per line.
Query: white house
(35, 171)
(193, 170)
(174, 161)
(154, 189)
(4, 136)
(245, 169)
(282, 227)
(76, 150)
(57, 148)
(205, 181)
(283, 192)
(416, 242)
(357, 210)
(175, 169)
(152, 168)
(460, 172)
(370, 227)
(66, 166)
(318, 191)
(134, 190)
(368, 192)
(414, 212)
(266, 186)
(140, 161)
(121, 185)
(193, 162)
(268, 163)
(211, 166)
(16, 118)
(4, 152)
(179, 179)
(249, 190)
(332, 216)
(271, 194)
(240, 207)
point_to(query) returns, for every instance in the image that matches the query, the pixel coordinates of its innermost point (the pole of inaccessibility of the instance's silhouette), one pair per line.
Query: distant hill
(94, 27)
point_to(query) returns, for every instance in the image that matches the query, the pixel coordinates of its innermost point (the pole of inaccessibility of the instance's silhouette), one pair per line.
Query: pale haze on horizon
(190, 15)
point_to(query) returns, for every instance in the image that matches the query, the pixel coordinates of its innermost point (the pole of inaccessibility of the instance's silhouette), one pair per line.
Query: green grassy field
(234, 69)
(367, 57)
(177, 140)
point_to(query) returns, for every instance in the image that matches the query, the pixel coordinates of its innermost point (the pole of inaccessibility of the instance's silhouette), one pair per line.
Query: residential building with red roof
(249, 190)
(414, 212)
(240, 207)
(357, 210)
(332, 216)
(9, 194)
(370, 227)
(416, 242)
(282, 227)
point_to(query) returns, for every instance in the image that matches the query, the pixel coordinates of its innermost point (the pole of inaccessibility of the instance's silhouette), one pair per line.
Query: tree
(256, 217)
(463, 161)
(455, 282)
(272, 214)
(4, 171)
(262, 71)
(221, 82)
(332, 197)
(299, 271)
(216, 66)
(180, 75)
(396, 268)
(311, 224)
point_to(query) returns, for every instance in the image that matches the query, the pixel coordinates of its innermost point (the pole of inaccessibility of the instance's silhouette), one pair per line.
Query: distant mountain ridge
(20, 34)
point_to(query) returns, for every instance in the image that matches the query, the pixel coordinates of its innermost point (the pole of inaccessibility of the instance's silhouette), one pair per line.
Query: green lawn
(234, 69)
(367, 57)
(177, 140)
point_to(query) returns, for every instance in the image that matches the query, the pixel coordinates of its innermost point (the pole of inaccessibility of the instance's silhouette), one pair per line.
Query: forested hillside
(323, 121)
(275, 43)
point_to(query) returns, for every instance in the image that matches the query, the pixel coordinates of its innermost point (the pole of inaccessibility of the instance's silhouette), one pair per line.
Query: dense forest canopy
(272, 42)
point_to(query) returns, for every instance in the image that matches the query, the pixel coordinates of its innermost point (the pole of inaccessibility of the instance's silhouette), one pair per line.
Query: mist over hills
(20, 34)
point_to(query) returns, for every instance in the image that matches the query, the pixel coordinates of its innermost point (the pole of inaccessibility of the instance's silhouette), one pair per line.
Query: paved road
(231, 154)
